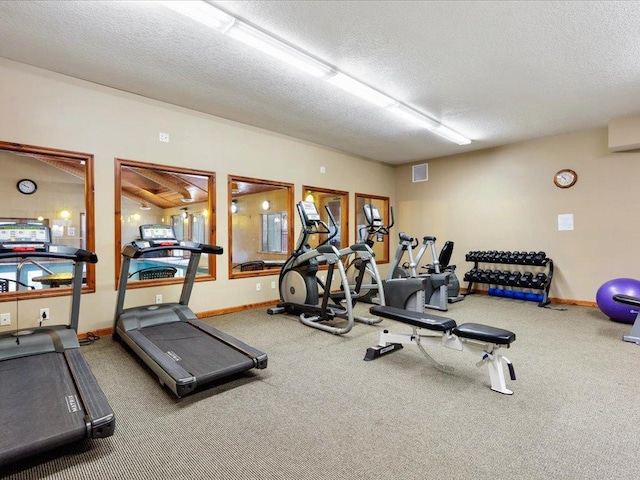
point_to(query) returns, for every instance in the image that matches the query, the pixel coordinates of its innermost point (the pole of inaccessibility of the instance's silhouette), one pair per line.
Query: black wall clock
(26, 186)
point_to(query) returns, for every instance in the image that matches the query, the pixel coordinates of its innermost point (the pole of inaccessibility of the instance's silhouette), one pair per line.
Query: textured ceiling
(497, 72)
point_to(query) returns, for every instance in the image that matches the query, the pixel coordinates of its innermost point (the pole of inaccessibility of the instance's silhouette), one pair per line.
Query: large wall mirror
(158, 194)
(260, 226)
(52, 188)
(381, 245)
(338, 203)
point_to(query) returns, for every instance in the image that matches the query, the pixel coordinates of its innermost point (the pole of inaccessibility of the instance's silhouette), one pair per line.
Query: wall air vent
(421, 172)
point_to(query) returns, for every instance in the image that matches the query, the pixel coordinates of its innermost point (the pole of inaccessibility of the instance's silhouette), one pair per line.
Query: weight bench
(634, 336)
(440, 331)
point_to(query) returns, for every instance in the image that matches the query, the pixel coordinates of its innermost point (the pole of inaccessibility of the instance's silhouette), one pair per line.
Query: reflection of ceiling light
(266, 205)
(234, 206)
(184, 212)
(65, 214)
(309, 198)
(145, 206)
(186, 200)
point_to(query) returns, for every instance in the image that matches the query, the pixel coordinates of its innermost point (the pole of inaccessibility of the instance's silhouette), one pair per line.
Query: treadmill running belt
(40, 405)
(200, 354)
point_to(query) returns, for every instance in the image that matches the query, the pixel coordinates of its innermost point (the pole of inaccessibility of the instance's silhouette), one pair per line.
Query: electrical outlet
(5, 319)
(273, 285)
(258, 287)
(159, 298)
(323, 170)
(164, 137)
(44, 314)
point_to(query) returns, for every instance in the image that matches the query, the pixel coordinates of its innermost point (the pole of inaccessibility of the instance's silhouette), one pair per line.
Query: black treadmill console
(309, 212)
(158, 235)
(24, 237)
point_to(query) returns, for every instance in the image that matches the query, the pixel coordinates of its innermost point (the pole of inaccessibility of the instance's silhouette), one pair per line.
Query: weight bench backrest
(445, 254)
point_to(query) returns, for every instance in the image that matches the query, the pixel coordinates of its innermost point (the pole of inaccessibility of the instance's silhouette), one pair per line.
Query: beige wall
(504, 199)
(50, 110)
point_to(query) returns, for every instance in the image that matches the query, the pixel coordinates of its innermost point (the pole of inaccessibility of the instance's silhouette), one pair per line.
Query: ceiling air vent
(421, 172)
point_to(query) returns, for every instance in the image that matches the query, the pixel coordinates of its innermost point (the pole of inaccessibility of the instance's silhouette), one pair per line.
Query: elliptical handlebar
(312, 224)
(372, 216)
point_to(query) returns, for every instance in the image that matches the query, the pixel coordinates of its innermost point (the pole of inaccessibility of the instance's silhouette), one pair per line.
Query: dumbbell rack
(511, 279)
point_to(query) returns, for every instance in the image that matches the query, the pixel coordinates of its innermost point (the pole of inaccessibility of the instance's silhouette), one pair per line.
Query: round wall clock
(26, 186)
(565, 178)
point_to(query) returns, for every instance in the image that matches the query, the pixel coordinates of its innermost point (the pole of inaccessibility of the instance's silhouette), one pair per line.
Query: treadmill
(184, 352)
(48, 396)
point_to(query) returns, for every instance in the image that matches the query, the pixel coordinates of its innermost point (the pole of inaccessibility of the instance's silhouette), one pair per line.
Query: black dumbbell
(484, 276)
(520, 257)
(525, 279)
(513, 256)
(503, 277)
(513, 278)
(493, 276)
(540, 258)
(539, 281)
(528, 258)
(468, 277)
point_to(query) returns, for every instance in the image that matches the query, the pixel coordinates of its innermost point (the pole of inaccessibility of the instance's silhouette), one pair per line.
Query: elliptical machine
(375, 231)
(299, 281)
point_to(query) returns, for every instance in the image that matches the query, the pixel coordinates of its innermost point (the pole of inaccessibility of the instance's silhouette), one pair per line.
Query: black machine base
(379, 350)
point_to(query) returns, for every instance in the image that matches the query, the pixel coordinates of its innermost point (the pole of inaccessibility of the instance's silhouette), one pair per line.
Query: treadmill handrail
(62, 252)
(136, 250)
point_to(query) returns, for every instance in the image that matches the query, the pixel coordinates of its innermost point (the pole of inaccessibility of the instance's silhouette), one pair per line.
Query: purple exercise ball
(619, 312)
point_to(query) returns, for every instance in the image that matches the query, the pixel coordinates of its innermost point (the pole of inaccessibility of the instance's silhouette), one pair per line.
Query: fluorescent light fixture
(204, 13)
(455, 137)
(277, 49)
(361, 90)
(414, 116)
(225, 23)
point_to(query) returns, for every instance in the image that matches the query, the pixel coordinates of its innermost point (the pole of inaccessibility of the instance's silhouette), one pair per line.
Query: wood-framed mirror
(260, 226)
(338, 202)
(54, 188)
(183, 198)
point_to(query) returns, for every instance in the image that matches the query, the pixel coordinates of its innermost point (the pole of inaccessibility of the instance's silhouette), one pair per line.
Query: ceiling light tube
(455, 137)
(274, 47)
(361, 90)
(414, 116)
(202, 12)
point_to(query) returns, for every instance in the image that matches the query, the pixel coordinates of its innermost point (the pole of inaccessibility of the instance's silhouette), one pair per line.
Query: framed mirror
(182, 198)
(52, 188)
(338, 203)
(381, 245)
(260, 226)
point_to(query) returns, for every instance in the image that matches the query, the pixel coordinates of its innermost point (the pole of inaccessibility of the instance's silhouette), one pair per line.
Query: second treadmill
(183, 351)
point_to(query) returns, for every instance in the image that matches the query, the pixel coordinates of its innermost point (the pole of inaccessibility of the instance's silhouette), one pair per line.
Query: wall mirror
(260, 226)
(338, 203)
(54, 188)
(158, 194)
(381, 245)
